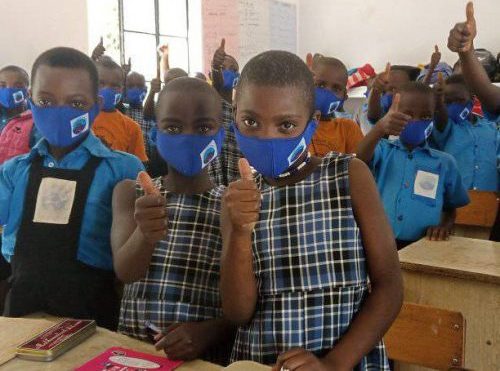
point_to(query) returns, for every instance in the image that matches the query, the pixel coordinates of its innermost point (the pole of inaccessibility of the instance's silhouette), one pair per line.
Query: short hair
(333, 62)
(411, 72)
(416, 87)
(458, 79)
(276, 68)
(19, 70)
(108, 62)
(64, 57)
(174, 73)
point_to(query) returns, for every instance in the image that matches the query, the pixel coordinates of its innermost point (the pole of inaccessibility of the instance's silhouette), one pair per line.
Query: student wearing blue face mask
(167, 246)
(420, 187)
(336, 130)
(301, 235)
(55, 201)
(472, 140)
(116, 130)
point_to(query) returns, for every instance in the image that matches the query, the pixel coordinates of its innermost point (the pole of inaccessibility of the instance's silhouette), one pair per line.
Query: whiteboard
(249, 27)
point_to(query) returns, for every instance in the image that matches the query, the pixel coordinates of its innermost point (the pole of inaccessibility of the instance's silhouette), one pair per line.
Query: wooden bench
(476, 219)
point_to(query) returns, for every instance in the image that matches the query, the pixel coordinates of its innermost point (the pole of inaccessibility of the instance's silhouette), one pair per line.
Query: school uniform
(57, 222)
(475, 145)
(182, 282)
(310, 267)
(416, 186)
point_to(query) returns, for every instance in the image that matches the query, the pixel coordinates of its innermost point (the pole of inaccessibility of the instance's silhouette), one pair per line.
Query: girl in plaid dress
(304, 237)
(167, 245)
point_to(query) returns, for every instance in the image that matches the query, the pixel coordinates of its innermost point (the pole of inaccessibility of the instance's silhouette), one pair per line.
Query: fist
(150, 216)
(156, 85)
(241, 201)
(219, 56)
(394, 121)
(99, 50)
(438, 233)
(462, 35)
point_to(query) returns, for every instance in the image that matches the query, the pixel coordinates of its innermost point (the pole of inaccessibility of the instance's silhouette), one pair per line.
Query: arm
(216, 73)
(461, 40)
(149, 104)
(164, 60)
(435, 59)
(366, 148)
(441, 112)
(137, 226)
(240, 212)
(379, 86)
(386, 297)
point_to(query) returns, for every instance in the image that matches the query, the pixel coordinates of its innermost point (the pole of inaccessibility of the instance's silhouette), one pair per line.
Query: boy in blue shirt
(55, 201)
(420, 187)
(472, 140)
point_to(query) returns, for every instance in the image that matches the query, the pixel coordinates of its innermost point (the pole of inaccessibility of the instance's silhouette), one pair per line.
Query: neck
(59, 152)
(178, 183)
(299, 175)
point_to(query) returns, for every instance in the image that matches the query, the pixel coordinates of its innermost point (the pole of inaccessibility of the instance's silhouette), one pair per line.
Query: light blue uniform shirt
(94, 246)
(416, 186)
(475, 147)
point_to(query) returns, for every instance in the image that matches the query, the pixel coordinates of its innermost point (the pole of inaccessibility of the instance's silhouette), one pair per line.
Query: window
(144, 24)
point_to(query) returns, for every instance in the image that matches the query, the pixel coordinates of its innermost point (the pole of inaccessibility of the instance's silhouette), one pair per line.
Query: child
(472, 140)
(294, 269)
(116, 130)
(416, 183)
(55, 201)
(336, 131)
(167, 247)
(225, 77)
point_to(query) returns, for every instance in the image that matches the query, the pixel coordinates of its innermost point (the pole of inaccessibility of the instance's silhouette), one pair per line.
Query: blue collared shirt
(416, 186)
(94, 246)
(475, 147)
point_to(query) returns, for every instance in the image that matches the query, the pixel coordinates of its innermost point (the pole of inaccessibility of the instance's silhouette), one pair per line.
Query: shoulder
(445, 159)
(335, 164)
(130, 122)
(125, 164)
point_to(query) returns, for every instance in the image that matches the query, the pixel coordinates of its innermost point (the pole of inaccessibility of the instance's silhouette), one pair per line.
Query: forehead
(398, 76)
(186, 104)
(456, 88)
(109, 73)
(330, 72)
(416, 101)
(136, 78)
(12, 77)
(60, 79)
(272, 100)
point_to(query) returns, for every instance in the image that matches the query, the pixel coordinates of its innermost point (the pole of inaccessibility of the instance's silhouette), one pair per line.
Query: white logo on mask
(208, 154)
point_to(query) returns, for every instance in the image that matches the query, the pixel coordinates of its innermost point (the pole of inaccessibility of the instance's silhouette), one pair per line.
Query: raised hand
(462, 36)
(98, 51)
(150, 213)
(394, 121)
(242, 200)
(219, 56)
(156, 82)
(382, 80)
(436, 56)
(127, 67)
(163, 49)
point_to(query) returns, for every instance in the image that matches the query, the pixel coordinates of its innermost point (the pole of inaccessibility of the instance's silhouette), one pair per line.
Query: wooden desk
(463, 275)
(21, 329)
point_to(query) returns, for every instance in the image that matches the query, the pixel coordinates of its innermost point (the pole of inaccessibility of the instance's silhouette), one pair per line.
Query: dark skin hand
(98, 51)
(435, 59)
(149, 104)
(58, 86)
(461, 41)
(379, 86)
(14, 79)
(222, 61)
(271, 112)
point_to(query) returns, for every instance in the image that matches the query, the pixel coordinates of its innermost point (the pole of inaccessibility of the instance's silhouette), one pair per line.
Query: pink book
(121, 359)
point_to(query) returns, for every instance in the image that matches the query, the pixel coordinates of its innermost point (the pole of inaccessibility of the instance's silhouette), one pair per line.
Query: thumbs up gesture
(436, 56)
(241, 202)
(150, 213)
(462, 35)
(127, 67)
(382, 80)
(98, 51)
(394, 121)
(219, 56)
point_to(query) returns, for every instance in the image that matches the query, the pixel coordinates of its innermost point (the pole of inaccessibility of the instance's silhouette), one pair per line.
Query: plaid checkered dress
(146, 126)
(224, 169)
(310, 267)
(182, 283)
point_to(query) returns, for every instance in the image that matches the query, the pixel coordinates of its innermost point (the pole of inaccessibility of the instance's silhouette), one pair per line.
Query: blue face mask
(189, 154)
(110, 98)
(327, 102)
(135, 96)
(11, 98)
(63, 126)
(272, 157)
(386, 102)
(230, 78)
(416, 132)
(459, 112)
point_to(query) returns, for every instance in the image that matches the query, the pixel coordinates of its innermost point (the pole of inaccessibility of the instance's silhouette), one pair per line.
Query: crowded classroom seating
(258, 214)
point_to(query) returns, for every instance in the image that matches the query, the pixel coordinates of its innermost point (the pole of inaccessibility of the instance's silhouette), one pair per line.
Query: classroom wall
(399, 31)
(29, 27)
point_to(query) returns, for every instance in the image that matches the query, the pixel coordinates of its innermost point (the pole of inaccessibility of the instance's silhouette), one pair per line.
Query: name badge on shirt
(426, 184)
(54, 201)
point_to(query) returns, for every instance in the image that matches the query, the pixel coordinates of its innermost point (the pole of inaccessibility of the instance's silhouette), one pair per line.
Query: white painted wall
(29, 27)
(399, 31)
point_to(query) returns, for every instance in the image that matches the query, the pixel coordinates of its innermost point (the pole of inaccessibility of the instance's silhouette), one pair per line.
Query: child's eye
(203, 129)
(288, 126)
(250, 123)
(77, 104)
(173, 129)
(43, 103)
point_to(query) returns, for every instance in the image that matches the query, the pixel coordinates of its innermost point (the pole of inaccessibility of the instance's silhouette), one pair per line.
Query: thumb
(129, 61)
(245, 170)
(223, 45)
(101, 42)
(436, 49)
(469, 12)
(395, 103)
(147, 184)
(387, 70)
(309, 60)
